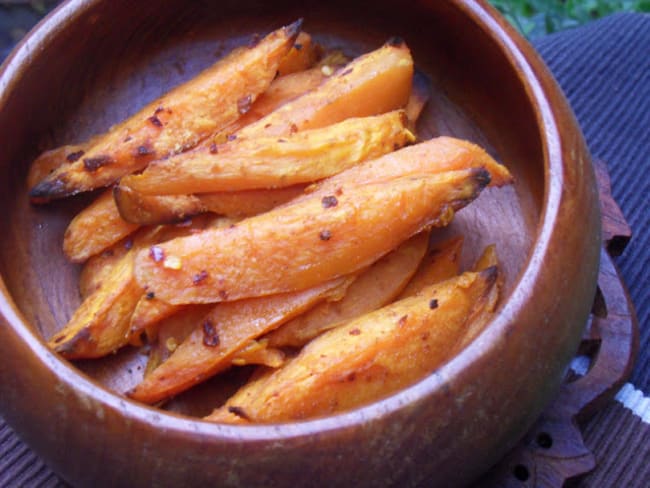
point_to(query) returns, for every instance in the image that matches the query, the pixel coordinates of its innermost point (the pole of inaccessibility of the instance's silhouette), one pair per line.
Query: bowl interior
(102, 74)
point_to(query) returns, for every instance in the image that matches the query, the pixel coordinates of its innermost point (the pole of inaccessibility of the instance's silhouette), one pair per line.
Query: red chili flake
(158, 110)
(325, 235)
(339, 191)
(156, 253)
(199, 277)
(223, 294)
(235, 410)
(293, 129)
(329, 201)
(352, 376)
(402, 320)
(74, 156)
(244, 104)
(107, 253)
(93, 164)
(150, 295)
(127, 139)
(282, 140)
(155, 121)
(355, 331)
(433, 304)
(210, 334)
(214, 148)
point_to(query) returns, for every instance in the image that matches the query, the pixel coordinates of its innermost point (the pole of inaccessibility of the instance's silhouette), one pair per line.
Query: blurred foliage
(535, 18)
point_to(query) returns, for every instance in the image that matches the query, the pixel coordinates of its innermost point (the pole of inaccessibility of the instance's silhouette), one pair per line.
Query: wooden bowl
(92, 62)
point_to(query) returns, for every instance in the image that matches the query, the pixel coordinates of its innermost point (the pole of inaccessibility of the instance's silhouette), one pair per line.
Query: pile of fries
(276, 210)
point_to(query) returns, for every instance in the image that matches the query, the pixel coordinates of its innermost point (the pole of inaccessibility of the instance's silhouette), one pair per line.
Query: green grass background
(535, 18)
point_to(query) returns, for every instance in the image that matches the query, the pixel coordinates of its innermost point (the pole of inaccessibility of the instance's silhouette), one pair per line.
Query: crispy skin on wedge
(375, 287)
(368, 358)
(219, 337)
(329, 236)
(165, 209)
(374, 83)
(303, 54)
(95, 228)
(175, 122)
(272, 162)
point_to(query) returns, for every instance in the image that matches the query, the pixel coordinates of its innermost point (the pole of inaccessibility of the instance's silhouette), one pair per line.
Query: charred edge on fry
(239, 412)
(49, 189)
(144, 150)
(433, 304)
(74, 156)
(150, 295)
(155, 121)
(93, 164)
(325, 235)
(395, 41)
(213, 148)
(71, 346)
(292, 30)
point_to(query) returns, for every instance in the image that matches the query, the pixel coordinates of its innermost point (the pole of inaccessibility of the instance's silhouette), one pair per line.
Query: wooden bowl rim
(519, 54)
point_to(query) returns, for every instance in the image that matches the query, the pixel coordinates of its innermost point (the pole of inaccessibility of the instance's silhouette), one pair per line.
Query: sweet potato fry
(177, 121)
(95, 228)
(441, 263)
(95, 271)
(163, 209)
(271, 162)
(375, 287)
(432, 156)
(227, 329)
(487, 259)
(330, 236)
(248, 203)
(369, 357)
(303, 54)
(51, 159)
(99, 326)
(371, 84)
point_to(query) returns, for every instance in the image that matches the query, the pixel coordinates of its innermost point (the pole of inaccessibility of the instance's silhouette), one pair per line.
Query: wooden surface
(553, 452)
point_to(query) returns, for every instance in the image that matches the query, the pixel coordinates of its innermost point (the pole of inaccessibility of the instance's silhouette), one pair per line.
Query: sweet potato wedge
(175, 122)
(164, 209)
(367, 358)
(303, 54)
(374, 83)
(100, 325)
(441, 263)
(96, 269)
(218, 338)
(375, 287)
(95, 228)
(271, 162)
(329, 236)
(432, 156)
